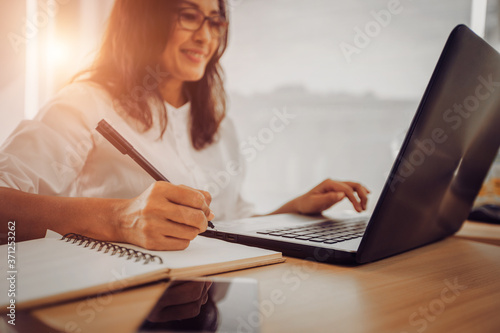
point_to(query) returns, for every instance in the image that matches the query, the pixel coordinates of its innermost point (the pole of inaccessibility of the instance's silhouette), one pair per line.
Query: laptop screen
(449, 147)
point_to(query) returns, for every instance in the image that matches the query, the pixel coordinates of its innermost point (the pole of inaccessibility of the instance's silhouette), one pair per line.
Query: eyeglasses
(193, 19)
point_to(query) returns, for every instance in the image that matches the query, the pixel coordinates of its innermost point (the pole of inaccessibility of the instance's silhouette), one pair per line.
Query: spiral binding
(115, 249)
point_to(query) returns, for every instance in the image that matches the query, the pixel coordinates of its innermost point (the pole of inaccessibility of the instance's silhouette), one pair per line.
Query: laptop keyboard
(327, 232)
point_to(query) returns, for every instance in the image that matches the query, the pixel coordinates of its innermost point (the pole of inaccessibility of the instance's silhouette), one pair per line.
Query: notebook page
(50, 266)
(206, 251)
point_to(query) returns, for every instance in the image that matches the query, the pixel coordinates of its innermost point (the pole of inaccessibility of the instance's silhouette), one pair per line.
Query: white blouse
(60, 153)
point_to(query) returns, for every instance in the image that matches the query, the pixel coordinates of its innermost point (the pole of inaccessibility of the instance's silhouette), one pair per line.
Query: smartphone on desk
(206, 305)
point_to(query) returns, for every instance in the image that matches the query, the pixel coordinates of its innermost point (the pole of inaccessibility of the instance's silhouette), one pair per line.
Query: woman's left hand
(325, 195)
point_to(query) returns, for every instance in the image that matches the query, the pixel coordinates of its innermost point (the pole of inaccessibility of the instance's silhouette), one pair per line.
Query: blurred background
(344, 76)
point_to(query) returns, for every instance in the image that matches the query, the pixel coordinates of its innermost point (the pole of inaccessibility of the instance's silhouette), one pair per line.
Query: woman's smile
(194, 55)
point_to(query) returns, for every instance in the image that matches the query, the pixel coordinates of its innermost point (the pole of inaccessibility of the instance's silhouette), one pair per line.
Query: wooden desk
(480, 232)
(407, 293)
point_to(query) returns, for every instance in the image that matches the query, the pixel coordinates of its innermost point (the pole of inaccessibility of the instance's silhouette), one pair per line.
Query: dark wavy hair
(135, 39)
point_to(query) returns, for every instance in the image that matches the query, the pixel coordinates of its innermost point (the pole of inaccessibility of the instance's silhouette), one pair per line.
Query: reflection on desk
(449, 286)
(205, 305)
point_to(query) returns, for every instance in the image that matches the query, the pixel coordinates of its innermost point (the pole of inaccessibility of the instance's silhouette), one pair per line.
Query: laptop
(450, 145)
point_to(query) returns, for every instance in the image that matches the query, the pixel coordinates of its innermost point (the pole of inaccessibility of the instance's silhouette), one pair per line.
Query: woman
(157, 79)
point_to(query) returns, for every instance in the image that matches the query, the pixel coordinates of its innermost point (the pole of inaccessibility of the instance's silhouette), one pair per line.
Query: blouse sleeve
(46, 154)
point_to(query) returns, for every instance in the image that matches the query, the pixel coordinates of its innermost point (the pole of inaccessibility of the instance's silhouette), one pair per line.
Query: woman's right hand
(164, 217)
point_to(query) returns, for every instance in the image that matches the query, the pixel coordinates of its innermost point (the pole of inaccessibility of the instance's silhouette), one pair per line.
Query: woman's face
(188, 52)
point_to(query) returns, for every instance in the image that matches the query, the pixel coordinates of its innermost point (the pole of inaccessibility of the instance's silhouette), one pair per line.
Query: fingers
(183, 196)
(349, 192)
(208, 197)
(329, 199)
(185, 216)
(355, 192)
(157, 242)
(165, 217)
(175, 230)
(362, 193)
(154, 232)
(187, 196)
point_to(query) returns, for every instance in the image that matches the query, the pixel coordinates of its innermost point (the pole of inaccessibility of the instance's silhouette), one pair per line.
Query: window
(349, 73)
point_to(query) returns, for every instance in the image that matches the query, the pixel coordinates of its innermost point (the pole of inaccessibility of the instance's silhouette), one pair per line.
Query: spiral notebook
(57, 268)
